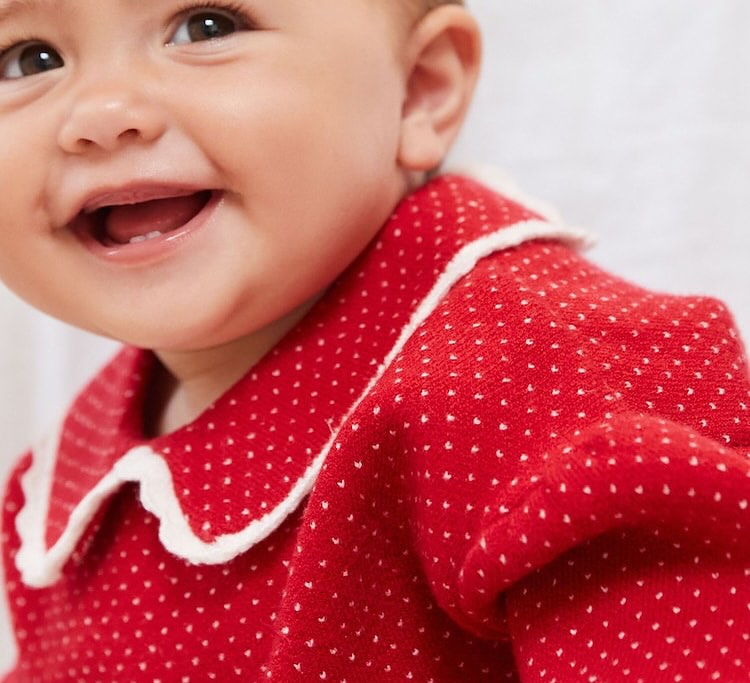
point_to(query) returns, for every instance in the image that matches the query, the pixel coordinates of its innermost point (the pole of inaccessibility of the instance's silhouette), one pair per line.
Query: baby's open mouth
(132, 223)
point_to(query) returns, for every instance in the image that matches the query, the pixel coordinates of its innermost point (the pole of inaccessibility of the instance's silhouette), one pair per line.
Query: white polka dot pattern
(550, 482)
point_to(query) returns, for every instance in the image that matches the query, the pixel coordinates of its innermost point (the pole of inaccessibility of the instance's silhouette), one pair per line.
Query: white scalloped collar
(226, 481)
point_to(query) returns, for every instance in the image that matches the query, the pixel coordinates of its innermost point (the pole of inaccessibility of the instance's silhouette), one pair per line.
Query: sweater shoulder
(528, 305)
(536, 343)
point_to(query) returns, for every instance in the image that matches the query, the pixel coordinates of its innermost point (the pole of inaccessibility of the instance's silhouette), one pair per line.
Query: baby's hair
(419, 8)
(427, 5)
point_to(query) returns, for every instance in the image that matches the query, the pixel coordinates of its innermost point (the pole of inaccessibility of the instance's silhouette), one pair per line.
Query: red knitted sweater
(478, 458)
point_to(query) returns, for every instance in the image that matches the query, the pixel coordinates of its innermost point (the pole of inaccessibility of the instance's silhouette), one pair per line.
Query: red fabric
(550, 482)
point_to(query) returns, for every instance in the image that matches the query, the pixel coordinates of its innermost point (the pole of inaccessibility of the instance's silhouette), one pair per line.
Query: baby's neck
(173, 403)
(188, 382)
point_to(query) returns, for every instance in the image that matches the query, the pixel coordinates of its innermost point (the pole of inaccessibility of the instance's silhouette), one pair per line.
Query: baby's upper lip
(130, 193)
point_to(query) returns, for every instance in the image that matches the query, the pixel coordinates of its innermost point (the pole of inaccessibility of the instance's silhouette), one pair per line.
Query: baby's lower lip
(129, 245)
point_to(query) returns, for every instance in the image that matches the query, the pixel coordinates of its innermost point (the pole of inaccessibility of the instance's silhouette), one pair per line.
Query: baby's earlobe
(444, 69)
(421, 148)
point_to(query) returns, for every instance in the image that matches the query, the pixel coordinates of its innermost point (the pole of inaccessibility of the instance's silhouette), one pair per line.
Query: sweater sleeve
(581, 474)
(625, 558)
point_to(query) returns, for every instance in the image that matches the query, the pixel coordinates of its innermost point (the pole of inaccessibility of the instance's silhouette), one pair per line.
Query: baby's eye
(205, 24)
(28, 59)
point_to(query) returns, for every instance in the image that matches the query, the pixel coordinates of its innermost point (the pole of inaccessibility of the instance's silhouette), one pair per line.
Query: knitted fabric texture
(478, 458)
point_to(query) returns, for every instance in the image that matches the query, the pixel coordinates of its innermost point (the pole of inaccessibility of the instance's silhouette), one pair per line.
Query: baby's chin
(235, 338)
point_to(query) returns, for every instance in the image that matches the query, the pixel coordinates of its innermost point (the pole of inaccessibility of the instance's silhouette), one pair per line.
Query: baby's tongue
(124, 223)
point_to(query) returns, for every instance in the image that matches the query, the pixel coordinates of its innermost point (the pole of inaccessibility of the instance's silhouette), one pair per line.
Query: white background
(631, 117)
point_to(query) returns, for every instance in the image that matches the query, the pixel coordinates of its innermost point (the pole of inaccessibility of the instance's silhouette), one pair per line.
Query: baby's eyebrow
(10, 9)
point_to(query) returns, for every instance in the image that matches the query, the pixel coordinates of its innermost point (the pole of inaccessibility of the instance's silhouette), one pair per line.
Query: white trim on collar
(41, 568)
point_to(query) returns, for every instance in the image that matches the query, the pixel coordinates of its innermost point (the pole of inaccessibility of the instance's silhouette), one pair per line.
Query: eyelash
(9, 45)
(234, 8)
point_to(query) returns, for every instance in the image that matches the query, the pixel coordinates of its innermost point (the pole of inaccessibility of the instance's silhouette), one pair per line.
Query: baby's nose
(108, 117)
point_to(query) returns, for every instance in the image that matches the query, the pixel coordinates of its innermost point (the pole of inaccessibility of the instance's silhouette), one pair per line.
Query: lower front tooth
(142, 238)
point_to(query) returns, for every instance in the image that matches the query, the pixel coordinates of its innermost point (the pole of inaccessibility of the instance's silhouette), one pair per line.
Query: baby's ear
(444, 58)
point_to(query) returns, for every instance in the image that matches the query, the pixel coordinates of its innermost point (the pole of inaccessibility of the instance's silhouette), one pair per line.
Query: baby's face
(178, 176)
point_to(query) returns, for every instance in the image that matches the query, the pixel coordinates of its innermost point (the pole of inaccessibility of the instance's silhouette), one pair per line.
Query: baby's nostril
(129, 133)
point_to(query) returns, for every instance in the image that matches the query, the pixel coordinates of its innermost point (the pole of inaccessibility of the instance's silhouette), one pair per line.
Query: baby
(368, 424)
